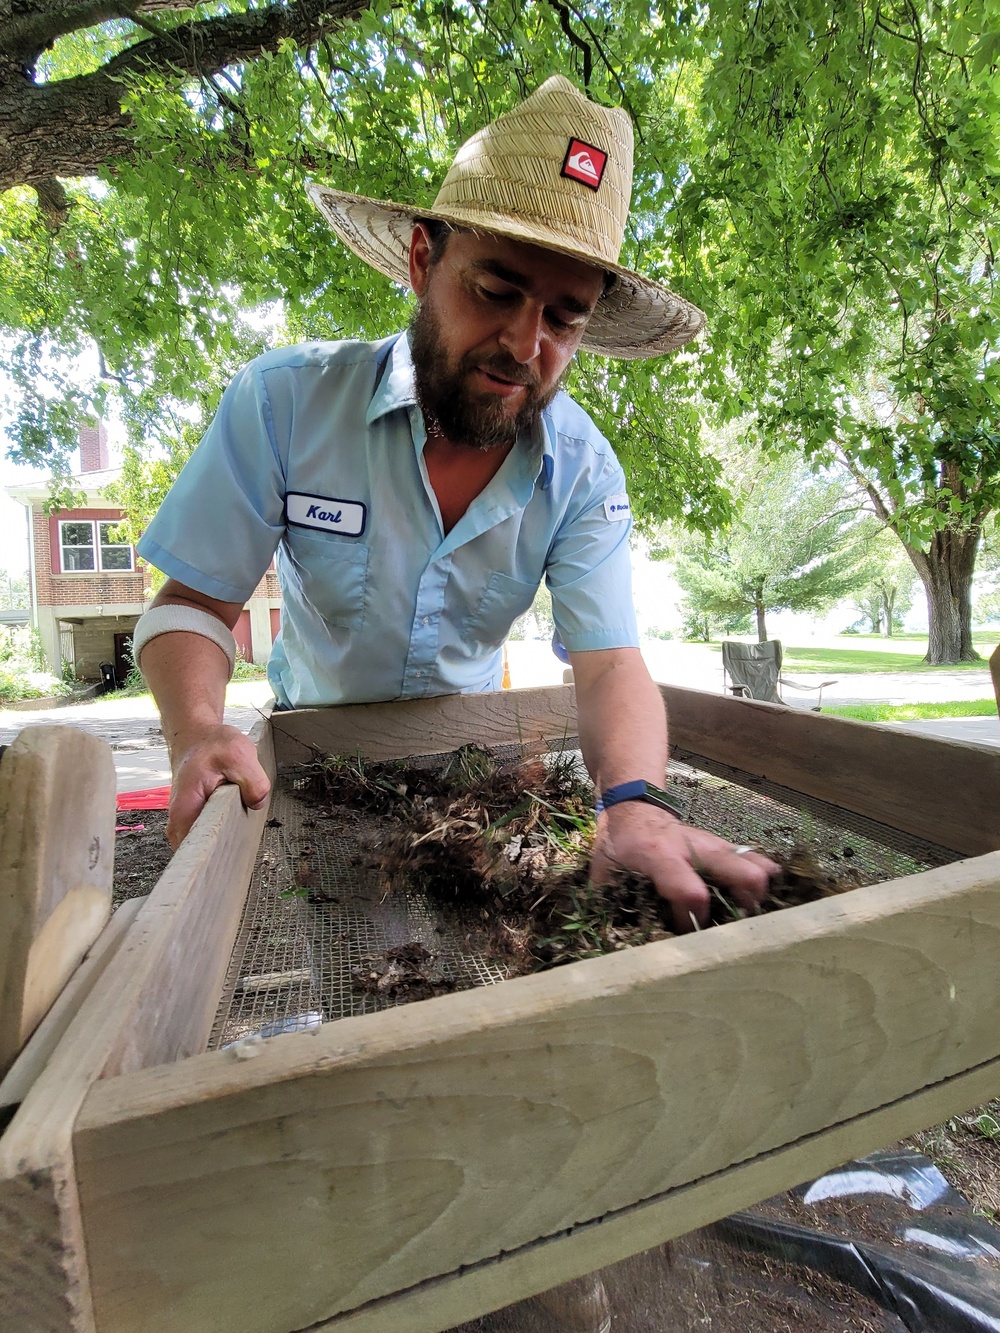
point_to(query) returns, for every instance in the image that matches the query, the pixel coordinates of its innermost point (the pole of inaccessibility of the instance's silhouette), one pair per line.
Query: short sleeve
(589, 571)
(222, 519)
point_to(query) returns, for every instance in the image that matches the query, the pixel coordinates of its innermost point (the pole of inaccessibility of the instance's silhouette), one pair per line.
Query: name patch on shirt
(348, 517)
(616, 507)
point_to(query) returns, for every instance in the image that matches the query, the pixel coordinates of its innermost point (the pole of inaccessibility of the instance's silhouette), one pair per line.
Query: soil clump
(504, 847)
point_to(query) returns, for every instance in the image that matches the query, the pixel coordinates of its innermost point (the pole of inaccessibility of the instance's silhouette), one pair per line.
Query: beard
(478, 420)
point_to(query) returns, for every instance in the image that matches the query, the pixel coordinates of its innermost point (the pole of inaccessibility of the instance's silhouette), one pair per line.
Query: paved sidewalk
(131, 726)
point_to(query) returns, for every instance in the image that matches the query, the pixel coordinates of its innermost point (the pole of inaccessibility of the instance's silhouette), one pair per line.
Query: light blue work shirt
(316, 452)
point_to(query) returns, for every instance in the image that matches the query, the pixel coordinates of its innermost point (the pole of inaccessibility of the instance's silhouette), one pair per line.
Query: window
(89, 545)
(77, 540)
(115, 554)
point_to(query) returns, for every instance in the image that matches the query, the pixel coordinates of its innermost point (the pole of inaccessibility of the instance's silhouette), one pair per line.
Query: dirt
(141, 853)
(504, 847)
(700, 1282)
(966, 1149)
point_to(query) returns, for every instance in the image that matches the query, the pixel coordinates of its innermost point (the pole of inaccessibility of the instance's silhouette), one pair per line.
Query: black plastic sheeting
(939, 1274)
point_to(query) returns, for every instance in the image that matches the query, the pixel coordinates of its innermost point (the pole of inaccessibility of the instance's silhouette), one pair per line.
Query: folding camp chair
(753, 671)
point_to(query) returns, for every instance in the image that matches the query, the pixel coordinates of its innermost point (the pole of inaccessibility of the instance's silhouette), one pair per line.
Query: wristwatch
(640, 790)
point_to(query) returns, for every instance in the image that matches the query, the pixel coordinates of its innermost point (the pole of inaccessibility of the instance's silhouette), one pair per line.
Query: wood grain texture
(340, 1166)
(945, 791)
(57, 833)
(426, 726)
(154, 1002)
(440, 1303)
(35, 1056)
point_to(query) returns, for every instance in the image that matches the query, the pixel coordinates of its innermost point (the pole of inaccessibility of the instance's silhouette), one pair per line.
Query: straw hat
(554, 172)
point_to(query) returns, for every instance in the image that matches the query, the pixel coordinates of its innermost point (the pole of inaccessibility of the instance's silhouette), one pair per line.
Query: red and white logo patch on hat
(584, 163)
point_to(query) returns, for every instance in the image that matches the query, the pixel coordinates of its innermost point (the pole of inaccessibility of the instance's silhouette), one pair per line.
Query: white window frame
(95, 546)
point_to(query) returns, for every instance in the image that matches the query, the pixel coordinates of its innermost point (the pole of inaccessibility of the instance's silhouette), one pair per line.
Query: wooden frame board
(947, 792)
(153, 1002)
(420, 1166)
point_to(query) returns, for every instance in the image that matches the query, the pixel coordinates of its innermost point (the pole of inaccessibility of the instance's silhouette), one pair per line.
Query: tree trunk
(946, 570)
(761, 627)
(889, 610)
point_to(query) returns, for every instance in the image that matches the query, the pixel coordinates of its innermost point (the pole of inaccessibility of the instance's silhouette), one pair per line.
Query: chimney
(93, 448)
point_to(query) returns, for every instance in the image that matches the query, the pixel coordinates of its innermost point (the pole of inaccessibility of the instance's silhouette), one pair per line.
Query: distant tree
(790, 547)
(14, 593)
(885, 578)
(987, 603)
(701, 626)
(537, 621)
(847, 208)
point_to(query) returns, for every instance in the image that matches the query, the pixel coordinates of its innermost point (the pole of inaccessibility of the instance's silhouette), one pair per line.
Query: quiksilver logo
(584, 163)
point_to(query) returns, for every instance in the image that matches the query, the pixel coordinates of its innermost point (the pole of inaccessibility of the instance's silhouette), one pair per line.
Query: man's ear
(420, 258)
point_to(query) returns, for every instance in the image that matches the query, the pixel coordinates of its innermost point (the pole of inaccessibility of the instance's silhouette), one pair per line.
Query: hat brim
(634, 319)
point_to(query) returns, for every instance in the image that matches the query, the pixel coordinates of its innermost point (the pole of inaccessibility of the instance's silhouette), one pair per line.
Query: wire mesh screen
(318, 910)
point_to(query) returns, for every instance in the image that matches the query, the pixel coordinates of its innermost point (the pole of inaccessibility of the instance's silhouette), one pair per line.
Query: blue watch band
(640, 790)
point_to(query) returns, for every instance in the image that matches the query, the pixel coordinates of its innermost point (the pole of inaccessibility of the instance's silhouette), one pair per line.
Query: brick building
(87, 587)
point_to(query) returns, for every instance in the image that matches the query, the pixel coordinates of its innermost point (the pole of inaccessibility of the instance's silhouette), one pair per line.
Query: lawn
(876, 712)
(855, 661)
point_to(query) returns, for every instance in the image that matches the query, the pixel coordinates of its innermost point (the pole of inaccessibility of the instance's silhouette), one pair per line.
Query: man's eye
(489, 294)
(569, 324)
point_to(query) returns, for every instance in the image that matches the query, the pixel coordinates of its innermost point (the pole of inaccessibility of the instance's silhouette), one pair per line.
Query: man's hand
(204, 762)
(677, 858)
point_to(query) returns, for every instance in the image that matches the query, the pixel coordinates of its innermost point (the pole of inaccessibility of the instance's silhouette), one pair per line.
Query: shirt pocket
(333, 575)
(502, 601)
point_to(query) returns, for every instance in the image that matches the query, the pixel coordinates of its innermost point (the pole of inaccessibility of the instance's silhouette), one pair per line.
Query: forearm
(187, 675)
(622, 721)
(188, 670)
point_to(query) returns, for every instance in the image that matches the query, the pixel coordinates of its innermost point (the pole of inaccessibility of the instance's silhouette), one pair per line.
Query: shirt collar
(394, 381)
(395, 389)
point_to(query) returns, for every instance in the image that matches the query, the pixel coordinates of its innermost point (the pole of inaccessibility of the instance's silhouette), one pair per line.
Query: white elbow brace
(167, 619)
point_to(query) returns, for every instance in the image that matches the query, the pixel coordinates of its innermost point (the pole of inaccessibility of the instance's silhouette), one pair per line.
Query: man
(418, 489)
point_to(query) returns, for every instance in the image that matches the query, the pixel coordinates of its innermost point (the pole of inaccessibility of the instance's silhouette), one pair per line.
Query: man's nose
(522, 333)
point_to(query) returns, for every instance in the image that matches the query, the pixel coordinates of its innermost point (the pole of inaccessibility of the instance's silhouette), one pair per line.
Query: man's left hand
(678, 858)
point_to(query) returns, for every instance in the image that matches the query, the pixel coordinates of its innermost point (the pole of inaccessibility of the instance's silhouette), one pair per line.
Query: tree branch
(72, 127)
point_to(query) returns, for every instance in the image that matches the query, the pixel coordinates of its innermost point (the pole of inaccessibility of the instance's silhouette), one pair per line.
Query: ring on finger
(743, 849)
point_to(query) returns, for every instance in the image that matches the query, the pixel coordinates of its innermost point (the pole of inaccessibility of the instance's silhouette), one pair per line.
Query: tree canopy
(849, 200)
(822, 176)
(198, 213)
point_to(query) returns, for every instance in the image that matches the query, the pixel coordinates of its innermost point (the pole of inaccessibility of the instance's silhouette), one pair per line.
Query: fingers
(253, 782)
(187, 800)
(746, 876)
(227, 756)
(679, 859)
(666, 864)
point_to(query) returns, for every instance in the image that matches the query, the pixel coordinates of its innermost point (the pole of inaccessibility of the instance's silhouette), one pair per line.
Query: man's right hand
(205, 761)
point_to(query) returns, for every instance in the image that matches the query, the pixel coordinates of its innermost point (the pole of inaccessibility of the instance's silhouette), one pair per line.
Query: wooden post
(995, 673)
(154, 1003)
(57, 835)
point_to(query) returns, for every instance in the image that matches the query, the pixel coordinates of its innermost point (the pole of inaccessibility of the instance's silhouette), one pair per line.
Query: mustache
(505, 368)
